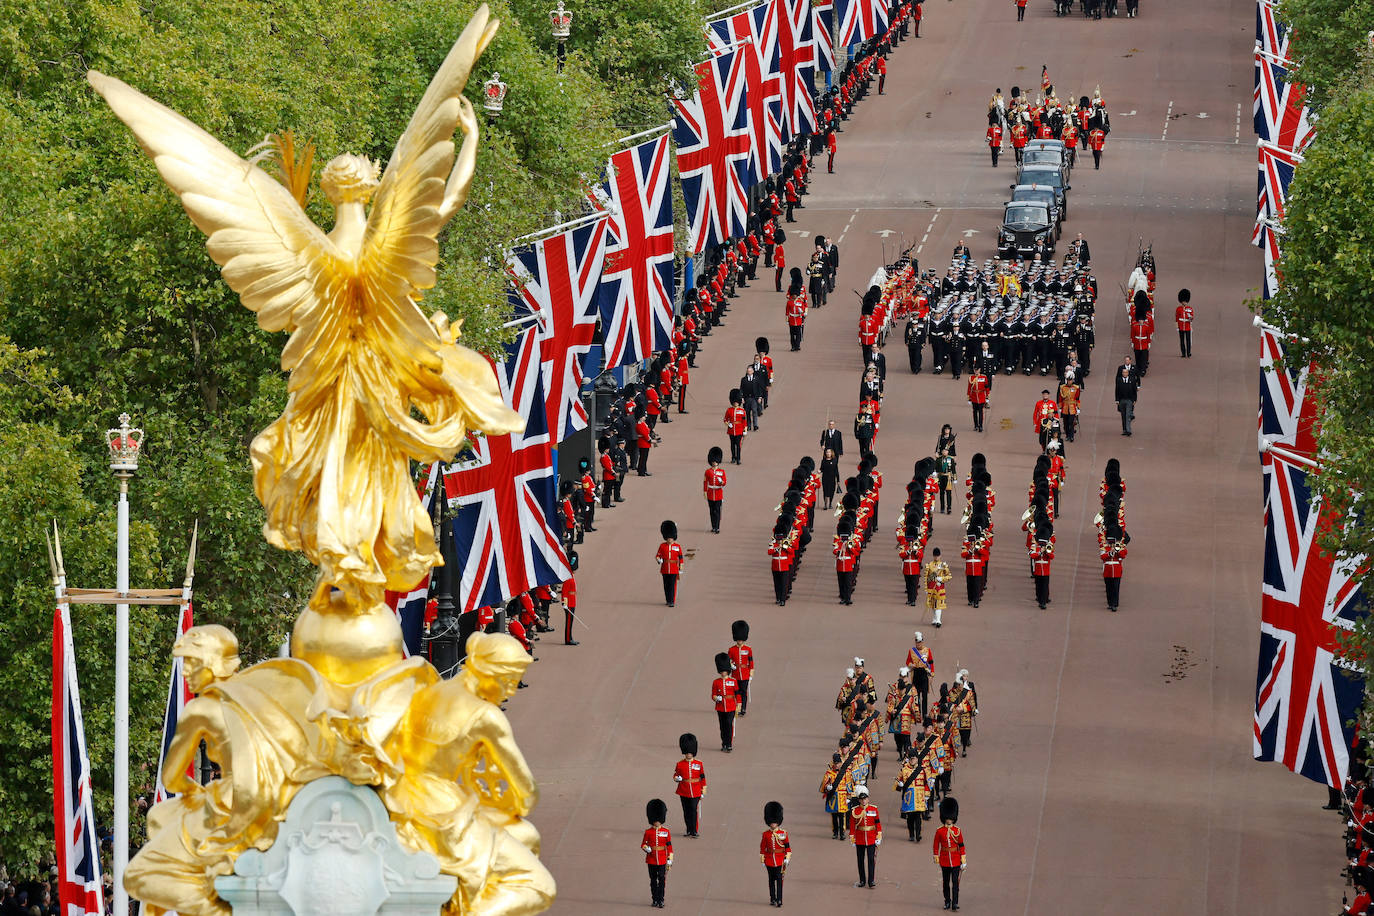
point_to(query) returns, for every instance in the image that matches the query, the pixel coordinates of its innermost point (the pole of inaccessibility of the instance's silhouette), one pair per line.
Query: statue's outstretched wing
(270, 253)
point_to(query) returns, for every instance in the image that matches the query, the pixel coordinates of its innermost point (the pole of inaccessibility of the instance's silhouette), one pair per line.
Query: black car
(1043, 196)
(1023, 224)
(1050, 176)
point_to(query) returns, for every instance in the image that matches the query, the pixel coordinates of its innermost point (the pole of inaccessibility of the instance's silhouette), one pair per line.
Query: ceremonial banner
(503, 492)
(1276, 168)
(178, 695)
(860, 20)
(1270, 33)
(78, 862)
(556, 279)
(823, 28)
(637, 290)
(1280, 108)
(711, 130)
(754, 39)
(797, 62)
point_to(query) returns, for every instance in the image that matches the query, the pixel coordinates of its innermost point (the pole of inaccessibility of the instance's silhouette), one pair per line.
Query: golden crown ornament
(494, 94)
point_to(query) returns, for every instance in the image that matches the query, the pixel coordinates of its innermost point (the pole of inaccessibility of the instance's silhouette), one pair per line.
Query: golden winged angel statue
(333, 471)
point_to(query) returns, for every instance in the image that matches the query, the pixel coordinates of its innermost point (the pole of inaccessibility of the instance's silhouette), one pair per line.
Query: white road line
(840, 240)
(1167, 115)
(1238, 122)
(918, 248)
(924, 237)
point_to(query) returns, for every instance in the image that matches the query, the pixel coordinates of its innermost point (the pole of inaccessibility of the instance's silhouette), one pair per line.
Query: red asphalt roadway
(1112, 766)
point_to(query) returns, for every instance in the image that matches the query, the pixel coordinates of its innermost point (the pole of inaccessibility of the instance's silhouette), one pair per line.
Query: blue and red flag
(711, 130)
(178, 695)
(78, 862)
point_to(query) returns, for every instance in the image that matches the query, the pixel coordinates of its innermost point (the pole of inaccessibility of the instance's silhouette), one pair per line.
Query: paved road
(1097, 782)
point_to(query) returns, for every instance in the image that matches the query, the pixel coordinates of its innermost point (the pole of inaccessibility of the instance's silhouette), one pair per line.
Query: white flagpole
(662, 128)
(570, 224)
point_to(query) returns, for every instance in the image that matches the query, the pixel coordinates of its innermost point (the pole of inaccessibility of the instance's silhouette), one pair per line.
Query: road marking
(802, 233)
(1238, 122)
(924, 237)
(1126, 114)
(970, 233)
(1167, 116)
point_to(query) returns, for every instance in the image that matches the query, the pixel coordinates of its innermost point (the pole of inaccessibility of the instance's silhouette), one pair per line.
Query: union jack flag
(711, 130)
(1270, 33)
(1287, 415)
(1303, 699)
(557, 279)
(637, 289)
(1269, 242)
(1281, 115)
(178, 695)
(1276, 168)
(504, 494)
(860, 20)
(410, 606)
(823, 28)
(797, 62)
(78, 862)
(754, 39)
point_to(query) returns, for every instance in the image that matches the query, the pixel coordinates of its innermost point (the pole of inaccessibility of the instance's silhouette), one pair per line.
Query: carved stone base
(337, 854)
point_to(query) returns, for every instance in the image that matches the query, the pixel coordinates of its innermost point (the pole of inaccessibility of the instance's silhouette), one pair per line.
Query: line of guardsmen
(930, 737)
(856, 521)
(792, 529)
(1112, 536)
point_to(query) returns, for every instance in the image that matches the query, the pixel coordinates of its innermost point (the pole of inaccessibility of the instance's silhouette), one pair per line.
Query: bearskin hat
(864, 467)
(849, 502)
(656, 811)
(772, 813)
(668, 529)
(949, 809)
(565, 488)
(739, 630)
(722, 663)
(979, 460)
(1113, 467)
(761, 344)
(781, 528)
(604, 444)
(687, 743)
(736, 397)
(983, 477)
(820, 241)
(798, 478)
(631, 390)
(845, 527)
(851, 484)
(1044, 528)
(796, 275)
(807, 464)
(714, 455)
(872, 459)
(924, 468)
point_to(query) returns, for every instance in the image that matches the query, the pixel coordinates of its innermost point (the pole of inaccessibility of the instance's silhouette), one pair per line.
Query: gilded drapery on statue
(333, 473)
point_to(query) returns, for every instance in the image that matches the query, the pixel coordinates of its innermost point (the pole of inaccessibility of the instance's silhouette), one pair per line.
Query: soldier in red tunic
(690, 776)
(658, 849)
(979, 388)
(725, 694)
(669, 558)
(568, 595)
(796, 309)
(995, 142)
(1097, 139)
(1183, 315)
(713, 485)
(866, 831)
(775, 851)
(742, 657)
(736, 424)
(949, 851)
(1020, 136)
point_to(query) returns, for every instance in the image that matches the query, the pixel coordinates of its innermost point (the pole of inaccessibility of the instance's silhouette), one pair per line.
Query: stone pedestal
(337, 854)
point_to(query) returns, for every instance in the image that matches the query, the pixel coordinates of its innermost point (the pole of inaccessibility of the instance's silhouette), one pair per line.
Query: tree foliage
(111, 303)
(1328, 37)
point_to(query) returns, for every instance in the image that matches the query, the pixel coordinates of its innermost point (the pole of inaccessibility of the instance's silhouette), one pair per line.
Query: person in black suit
(1126, 390)
(833, 439)
(751, 386)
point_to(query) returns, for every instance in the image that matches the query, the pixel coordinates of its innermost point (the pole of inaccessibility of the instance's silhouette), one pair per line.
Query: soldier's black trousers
(836, 825)
(774, 883)
(643, 466)
(869, 853)
(946, 499)
(727, 727)
(913, 824)
(1042, 590)
(975, 588)
(607, 491)
(713, 506)
(978, 410)
(568, 615)
(1113, 584)
(735, 448)
(742, 691)
(949, 874)
(912, 583)
(846, 585)
(670, 588)
(658, 877)
(1185, 343)
(914, 356)
(1070, 425)
(1142, 361)
(794, 335)
(690, 808)
(1097, 158)
(779, 586)
(903, 742)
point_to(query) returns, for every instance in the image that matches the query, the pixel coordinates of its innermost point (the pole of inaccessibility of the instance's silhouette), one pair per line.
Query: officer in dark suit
(833, 439)
(917, 328)
(751, 387)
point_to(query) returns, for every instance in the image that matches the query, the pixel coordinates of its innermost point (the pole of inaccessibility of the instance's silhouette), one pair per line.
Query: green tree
(1328, 37)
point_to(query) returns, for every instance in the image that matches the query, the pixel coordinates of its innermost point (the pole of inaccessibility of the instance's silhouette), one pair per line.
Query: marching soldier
(912, 783)
(670, 560)
(1097, 139)
(921, 661)
(979, 388)
(567, 594)
(1020, 136)
(965, 710)
(1070, 394)
(742, 657)
(994, 138)
(736, 424)
(1045, 408)
(945, 473)
(1041, 554)
(780, 557)
(949, 851)
(1183, 315)
(713, 485)
(866, 832)
(775, 851)
(917, 328)
(795, 310)
(830, 146)
(845, 550)
(910, 548)
(725, 694)
(835, 793)
(936, 575)
(900, 714)
(658, 849)
(690, 776)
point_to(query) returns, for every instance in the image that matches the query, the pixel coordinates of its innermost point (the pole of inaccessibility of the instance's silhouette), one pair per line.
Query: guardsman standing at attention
(1184, 316)
(736, 423)
(866, 832)
(714, 485)
(670, 560)
(995, 142)
(690, 776)
(742, 657)
(658, 849)
(567, 593)
(830, 145)
(979, 389)
(936, 575)
(950, 853)
(725, 693)
(775, 851)
(796, 310)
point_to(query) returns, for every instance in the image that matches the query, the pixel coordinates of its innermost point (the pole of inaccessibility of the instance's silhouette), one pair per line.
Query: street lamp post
(494, 95)
(560, 25)
(125, 444)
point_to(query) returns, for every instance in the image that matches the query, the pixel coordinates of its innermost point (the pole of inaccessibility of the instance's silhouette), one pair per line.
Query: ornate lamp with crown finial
(560, 26)
(494, 95)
